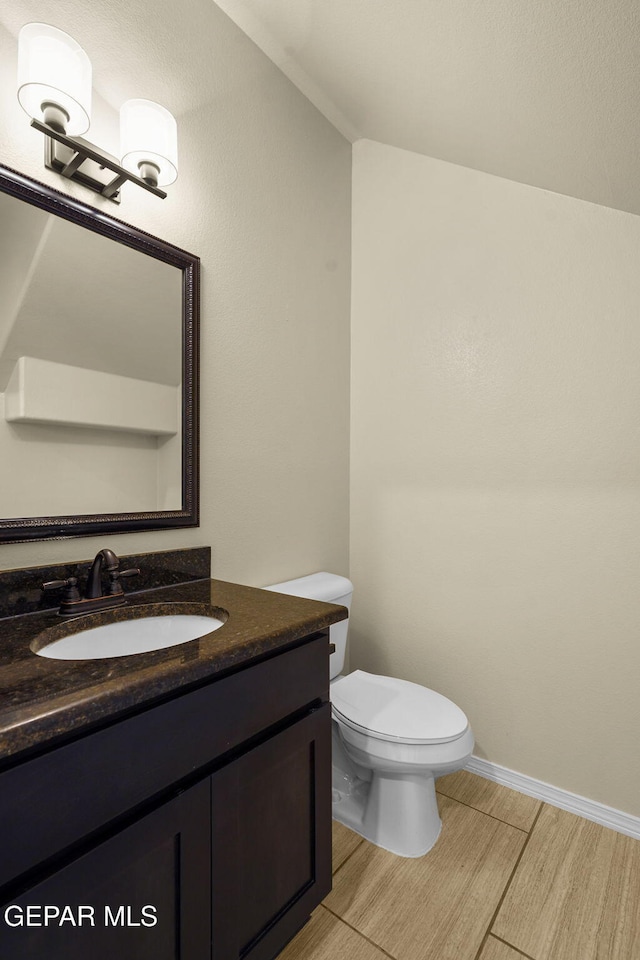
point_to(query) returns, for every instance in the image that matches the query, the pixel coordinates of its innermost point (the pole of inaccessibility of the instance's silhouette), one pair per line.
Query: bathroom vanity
(173, 804)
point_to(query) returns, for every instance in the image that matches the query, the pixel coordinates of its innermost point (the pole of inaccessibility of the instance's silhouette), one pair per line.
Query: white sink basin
(125, 637)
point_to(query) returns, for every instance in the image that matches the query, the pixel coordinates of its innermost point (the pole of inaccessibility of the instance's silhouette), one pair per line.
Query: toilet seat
(387, 708)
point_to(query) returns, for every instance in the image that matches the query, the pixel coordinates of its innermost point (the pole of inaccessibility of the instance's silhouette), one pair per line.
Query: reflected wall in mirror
(98, 371)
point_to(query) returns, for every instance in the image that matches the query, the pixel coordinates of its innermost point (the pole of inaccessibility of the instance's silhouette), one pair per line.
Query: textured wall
(263, 197)
(496, 461)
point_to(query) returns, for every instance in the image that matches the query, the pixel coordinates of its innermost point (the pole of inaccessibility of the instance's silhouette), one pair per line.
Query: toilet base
(397, 813)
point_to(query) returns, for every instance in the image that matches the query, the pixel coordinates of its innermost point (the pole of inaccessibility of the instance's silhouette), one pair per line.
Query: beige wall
(61, 469)
(496, 461)
(263, 197)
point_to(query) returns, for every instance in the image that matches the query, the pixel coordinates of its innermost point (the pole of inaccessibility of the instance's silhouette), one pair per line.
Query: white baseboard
(556, 797)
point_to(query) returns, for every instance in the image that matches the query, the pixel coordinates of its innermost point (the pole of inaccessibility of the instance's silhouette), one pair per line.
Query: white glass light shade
(53, 68)
(149, 135)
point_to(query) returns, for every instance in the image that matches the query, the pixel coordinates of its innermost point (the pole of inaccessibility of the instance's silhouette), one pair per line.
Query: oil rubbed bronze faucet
(94, 599)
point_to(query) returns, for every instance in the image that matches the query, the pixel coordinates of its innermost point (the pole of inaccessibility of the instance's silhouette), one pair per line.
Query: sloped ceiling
(544, 92)
(75, 297)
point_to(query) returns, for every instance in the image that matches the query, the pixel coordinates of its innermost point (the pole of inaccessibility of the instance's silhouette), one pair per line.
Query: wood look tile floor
(511, 878)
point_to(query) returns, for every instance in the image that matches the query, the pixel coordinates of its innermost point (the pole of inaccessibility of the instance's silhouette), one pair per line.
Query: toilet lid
(392, 709)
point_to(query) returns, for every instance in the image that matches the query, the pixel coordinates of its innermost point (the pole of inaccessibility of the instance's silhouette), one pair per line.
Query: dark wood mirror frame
(61, 527)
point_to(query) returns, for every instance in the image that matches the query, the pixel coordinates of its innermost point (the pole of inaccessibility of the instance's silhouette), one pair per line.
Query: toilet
(391, 739)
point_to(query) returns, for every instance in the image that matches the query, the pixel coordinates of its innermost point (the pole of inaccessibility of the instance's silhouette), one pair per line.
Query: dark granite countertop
(44, 701)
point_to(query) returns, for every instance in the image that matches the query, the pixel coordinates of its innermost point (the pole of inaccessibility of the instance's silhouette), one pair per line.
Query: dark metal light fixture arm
(83, 150)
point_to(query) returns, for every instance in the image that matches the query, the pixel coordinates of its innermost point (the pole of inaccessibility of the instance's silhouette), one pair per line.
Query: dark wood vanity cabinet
(161, 861)
(199, 829)
(271, 839)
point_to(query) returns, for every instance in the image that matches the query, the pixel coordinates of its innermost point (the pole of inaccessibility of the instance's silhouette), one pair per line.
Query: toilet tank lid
(393, 709)
(328, 587)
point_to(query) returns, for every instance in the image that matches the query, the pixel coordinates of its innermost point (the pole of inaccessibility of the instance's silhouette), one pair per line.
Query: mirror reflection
(90, 371)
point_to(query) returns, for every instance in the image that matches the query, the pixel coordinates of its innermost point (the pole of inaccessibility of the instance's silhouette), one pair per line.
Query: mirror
(98, 371)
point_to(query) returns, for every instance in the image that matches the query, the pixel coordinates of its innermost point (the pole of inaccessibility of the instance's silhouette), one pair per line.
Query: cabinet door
(161, 863)
(271, 839)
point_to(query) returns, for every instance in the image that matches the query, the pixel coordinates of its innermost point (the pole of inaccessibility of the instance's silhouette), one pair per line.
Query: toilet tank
(330, 588)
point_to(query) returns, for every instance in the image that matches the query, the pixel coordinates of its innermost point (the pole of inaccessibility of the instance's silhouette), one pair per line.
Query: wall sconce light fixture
(54, 89)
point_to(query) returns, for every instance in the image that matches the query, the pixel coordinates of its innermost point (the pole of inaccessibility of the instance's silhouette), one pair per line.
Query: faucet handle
(70, 585)
(116, 575)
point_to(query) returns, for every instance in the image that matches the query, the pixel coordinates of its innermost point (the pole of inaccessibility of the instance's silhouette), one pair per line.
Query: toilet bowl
(391, 739)
(401, 736)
